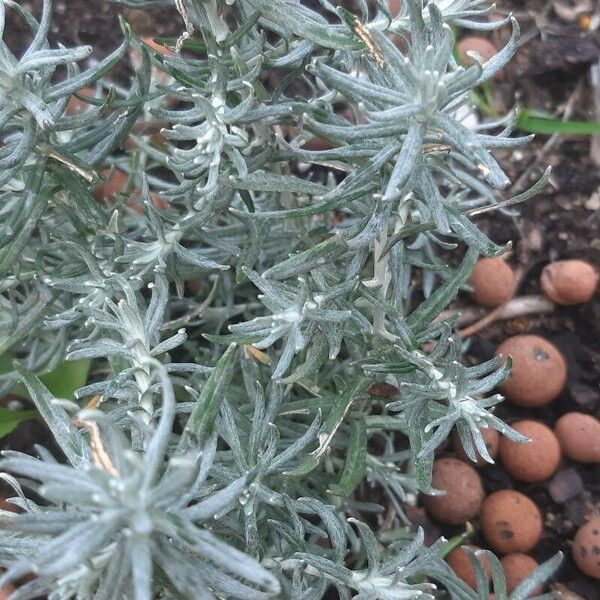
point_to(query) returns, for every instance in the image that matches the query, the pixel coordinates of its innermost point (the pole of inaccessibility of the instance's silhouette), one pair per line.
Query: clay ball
(394, 7)
(491, 439)
(461, 564)
(6, 505)
(579, 437)
(464, 492)
(510, 521)
(6, 591)
(75, 105)
(493, 282)
(135, 202)
(535, 460)
(113, 185)
(476, 44)
(586, 548)
(518, 567)
(539, 371)
(569, 282)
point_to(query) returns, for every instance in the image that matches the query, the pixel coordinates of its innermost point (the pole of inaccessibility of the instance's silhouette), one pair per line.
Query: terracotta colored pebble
(8, 506)
(464, 492)
(569, 282)
(382, 389)
(517, 567)
(480, 45)
(313, 144)
(579, 437)
(491, 439)
(157, 201)
(6, 591)
(539, 371)
(535, 460)
(493, 282)
(114, 185)
(159, 75)
(510, 521)
(394, 7)
(461, 565)
(586, 548)
(76, 105)
(317, 144)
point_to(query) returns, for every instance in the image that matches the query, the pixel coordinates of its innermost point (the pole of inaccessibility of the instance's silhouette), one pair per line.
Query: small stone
(566, 484)
(535, 240)
(586, 397)
(593, 202)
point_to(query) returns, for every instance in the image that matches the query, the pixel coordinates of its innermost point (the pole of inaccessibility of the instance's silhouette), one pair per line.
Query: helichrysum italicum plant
(221, 448)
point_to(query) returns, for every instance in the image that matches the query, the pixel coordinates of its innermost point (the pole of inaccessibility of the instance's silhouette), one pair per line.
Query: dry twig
(516, 307)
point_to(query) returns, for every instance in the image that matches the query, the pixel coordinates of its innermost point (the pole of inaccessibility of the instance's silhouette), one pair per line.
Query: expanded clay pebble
(75, 105)
(8, 506)
(479, 45)
(460, 563)
(569, 282)
(517, 567)
(535, 460)
(586, 548)
(510, 521)
(493, 282)
(113, 185)
(464, 492)
(579, 437)
(539, 371)
(491, 439)
(394, 7)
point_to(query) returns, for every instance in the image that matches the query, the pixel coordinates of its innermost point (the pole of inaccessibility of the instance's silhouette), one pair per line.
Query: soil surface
(551, 73)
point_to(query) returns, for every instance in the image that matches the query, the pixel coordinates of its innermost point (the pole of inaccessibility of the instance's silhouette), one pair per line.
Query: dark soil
(550, 72)
(80, 22)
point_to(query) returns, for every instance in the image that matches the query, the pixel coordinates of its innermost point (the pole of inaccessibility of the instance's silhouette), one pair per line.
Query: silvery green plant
(319, 201)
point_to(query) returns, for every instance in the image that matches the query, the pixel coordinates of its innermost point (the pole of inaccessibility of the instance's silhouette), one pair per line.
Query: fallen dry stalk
(474, 319)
